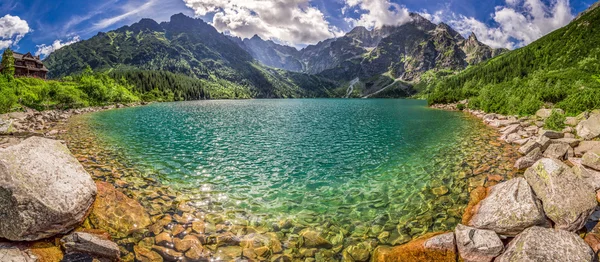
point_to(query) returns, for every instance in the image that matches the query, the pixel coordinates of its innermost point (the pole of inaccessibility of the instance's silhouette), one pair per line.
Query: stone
(167, 253)
(146, 255)
(591, 159)
(441, 242)
(521, 141)
(6, 127)
(547, 244)
(416, 250)
(477, 245)
(529, 159)
(528, 147)
(512, 138)
(358, 252)
(186, 243)
(197, 253)
(476, 196)
(572, 142)
(567, 199)
(44, 190)
(509, 131)
(11, 253)
(592, 177)
(117, 213)
(551, 134)
(45, 251)
(311, 238)
(557, 151)
(590, 128)
(510, 208)
(571, 121)
(80, 242)
(545, 113)
(440, 191)
(163, 239)
(585, 146)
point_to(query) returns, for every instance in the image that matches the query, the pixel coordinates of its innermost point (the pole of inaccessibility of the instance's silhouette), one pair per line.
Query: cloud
(45, 50)
(129, 11)
(518, 23)
(289, 21)
(377, 13)
(12, 30)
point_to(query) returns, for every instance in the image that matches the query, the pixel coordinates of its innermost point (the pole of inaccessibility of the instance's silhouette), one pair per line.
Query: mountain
(561, 68)
(403, 52)
(188, 47)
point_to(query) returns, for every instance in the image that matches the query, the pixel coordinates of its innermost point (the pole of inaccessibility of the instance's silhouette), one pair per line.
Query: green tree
(8, 63)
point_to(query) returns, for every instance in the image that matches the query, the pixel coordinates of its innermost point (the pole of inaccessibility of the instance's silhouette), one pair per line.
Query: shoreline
(420, 248)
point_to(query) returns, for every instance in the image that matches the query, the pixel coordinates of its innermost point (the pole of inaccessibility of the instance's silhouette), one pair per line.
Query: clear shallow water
(346, 160)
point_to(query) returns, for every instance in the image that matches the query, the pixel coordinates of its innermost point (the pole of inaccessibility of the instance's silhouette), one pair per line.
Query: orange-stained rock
(413, 251)
(476, 196)
(146, 255)
(593, 240)
(46, 252)
(116, 213)
(98, 232)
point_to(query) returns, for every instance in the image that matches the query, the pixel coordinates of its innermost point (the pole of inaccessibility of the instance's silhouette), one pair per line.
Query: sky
(43, 26)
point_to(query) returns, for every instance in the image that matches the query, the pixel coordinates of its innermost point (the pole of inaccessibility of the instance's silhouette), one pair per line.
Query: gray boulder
(529, 159)
(5, 127)
(592, 177)
(547, 244)
(444, 242)
(566, 198)
(589, 128)
(551, 134)
(528, 147)
(591, 159)
(477, 245)
(585, 146)
(11, 253)
(572, 142)
(557, 151)
(80, 242)
(510, 208)
(545, 113)
(44, 190)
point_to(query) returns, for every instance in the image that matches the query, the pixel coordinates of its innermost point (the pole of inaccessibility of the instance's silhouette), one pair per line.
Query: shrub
(460, 107)
(556, 121)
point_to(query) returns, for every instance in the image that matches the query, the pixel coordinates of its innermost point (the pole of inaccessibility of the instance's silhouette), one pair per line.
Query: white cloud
(290, 21)
(129, 11)
(12, 30)
(45, 50)
(518, 23)
(378, 13)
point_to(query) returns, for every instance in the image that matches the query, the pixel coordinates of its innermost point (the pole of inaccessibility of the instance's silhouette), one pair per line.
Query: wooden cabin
(28, 65)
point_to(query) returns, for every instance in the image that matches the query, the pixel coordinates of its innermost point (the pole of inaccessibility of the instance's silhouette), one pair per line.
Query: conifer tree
(8, 63)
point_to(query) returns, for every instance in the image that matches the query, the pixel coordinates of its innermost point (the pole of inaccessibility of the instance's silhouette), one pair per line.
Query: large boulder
(44, 190)
(510, 208)
(567, 199)
(116, 213)
(592, 177)
(544, 113)
(557, 151)
(12, 253)
(529, 146)
(589, 128)
(5, 127)
(585, 146)
(591, 159)
(529, 159)
(547, 244)
(477, 245)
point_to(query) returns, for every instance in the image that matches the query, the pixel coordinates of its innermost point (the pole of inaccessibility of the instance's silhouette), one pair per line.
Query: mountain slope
(561, 68)
(184, 46)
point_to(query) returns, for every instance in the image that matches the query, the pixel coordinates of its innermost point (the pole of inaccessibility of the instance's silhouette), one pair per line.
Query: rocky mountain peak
(473, 37)
(145, 24)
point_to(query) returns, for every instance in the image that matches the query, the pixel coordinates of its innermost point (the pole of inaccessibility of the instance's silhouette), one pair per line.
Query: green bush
(460, 107)
(556, 121)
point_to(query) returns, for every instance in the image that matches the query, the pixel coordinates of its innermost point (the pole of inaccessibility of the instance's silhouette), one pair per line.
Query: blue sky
(42, 26)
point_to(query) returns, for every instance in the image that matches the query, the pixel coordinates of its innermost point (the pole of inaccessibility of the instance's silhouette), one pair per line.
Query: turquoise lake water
(311, 159)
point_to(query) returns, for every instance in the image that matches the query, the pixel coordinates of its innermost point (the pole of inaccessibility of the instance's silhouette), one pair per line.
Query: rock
(186, 243)
(592, 177)
(512, 138)
(528, 147)
(551, 134)
(6, 127)
(593, 240)
(168, 254)
(441, 242)
(572, 142)
(591, 159)
(546, 244)
(80, 242)
(510, 130)
(146, 255)
(521, 141)
(544, 142)
(416, 250)
(545, 113)
(164, 239)
(440, 191)
(358, 252)
(45, 251)
(197, 253)
(510, 208)
(312, 239)
(567, 199)
(590, 128)
(477, 244)
(585, 146)
(529, 159)
(557, 151)
(44, 190)
(571, 121)
(117, 213)
(11, 253)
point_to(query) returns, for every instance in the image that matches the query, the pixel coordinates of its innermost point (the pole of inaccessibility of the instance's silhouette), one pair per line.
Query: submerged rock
(117, 213)
(44, 190)
(477, 245)
(312, 238)
(566, 198)
(510, 208)
(546, 244)
(80, 242)
(427, 248)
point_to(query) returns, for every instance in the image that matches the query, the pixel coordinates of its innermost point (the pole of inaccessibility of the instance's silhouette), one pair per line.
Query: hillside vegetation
(561, 68)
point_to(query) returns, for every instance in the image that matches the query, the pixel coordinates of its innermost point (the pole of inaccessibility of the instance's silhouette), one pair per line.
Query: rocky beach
(505, 214)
